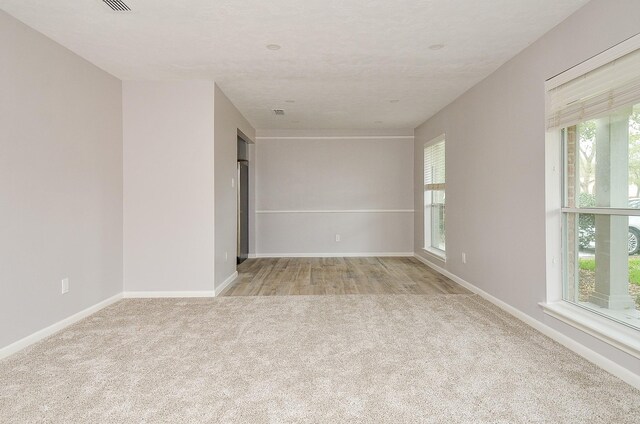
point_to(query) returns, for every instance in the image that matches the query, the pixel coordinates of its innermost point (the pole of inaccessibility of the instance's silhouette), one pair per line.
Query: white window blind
(434, 170)
(596, 93)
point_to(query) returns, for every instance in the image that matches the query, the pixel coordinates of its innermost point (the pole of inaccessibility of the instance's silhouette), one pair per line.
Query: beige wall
(168, 186)
(495, 165)
(335, 174)
(60, 182)
(228, 120)
(180, 141)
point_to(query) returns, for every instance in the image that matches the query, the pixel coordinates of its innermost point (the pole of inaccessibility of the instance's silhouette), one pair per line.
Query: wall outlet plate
(65, 286)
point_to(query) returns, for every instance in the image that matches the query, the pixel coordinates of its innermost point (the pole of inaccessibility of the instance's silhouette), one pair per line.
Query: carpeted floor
(307, 359)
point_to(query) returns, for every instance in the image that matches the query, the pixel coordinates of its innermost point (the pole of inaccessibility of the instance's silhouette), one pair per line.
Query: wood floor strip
(339, 276)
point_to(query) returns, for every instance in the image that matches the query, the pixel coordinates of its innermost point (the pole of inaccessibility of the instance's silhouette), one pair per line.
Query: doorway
(243, 201)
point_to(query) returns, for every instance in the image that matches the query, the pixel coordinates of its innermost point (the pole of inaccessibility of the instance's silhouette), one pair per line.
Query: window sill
(439, 254)
(616, 334)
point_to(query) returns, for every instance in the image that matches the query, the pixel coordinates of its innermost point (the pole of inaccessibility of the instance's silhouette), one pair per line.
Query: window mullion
(603, 211)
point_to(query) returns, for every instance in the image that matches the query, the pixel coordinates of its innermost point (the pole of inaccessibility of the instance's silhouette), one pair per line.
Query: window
(434, 196)
(601, 214)
(593, 118)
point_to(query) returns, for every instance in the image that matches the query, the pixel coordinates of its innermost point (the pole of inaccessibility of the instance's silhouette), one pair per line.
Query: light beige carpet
(303, 359)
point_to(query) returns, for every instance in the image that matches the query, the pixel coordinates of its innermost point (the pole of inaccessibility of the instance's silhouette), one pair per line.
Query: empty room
(320, 211)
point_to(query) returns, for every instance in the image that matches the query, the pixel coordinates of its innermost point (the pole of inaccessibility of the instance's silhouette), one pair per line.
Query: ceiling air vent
(117, 5)
(278, 111)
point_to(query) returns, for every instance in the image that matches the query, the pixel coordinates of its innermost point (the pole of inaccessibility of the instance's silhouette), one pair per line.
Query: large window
(434, 196)
(596, 116)
(601, 208)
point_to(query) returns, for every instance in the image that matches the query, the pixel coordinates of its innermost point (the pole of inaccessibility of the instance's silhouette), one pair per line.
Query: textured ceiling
(343, 62)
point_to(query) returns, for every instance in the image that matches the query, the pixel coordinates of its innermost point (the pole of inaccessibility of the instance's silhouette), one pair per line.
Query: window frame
(614, 333)
(427, 218)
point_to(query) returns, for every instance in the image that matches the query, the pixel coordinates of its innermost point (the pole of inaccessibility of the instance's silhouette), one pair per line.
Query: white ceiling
(341, 61)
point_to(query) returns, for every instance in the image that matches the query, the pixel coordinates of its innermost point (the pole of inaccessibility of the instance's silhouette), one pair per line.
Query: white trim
(553, 222)
(618, 335)
(335, 255)
(437, 253)
(438, 139)
(603, 362)
(251, 256)
(166, 294)
(627, 46)
(58, 326)
(226, 283)
(603, 211)
(346, 137)
(337, 211)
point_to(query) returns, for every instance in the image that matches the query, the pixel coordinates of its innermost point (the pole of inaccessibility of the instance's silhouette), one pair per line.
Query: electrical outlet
(337, 237)
(226, 256)
(233, 182)
(464, 258)
(65, 286)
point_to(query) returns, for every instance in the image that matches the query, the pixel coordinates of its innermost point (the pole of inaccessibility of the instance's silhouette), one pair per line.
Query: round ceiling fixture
(436, 46)
(273, 46)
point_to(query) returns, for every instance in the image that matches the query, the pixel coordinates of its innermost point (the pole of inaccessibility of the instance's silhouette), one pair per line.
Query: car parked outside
(634, 228)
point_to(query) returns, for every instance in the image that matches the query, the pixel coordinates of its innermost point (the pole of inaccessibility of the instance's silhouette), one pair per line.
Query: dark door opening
(243, 202)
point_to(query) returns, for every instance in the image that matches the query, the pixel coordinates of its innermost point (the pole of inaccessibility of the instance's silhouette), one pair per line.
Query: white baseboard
(226, 283)
(166, 294)
(251, 256)
(334, 255)
(603, 362)
(54, 328)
